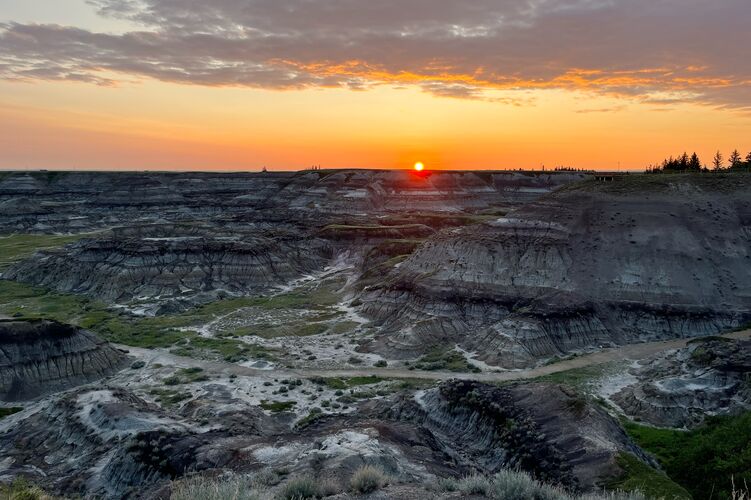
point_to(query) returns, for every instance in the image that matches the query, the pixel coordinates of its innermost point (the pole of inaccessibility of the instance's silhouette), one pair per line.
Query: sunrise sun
(419, 166)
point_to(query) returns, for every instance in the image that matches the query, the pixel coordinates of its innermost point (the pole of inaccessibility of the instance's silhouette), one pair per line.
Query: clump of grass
(225, 488)
(368, 479)
(474, 485)
(300, 488)
(508, 484)
(22, 489)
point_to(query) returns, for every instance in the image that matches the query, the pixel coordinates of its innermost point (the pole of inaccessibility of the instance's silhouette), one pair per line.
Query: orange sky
(87, 89)
(153, 125)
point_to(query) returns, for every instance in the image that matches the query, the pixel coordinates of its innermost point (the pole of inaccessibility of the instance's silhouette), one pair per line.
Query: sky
(286, 84)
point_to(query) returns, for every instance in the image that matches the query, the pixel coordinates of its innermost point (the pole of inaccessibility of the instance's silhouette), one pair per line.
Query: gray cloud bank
(660, 51)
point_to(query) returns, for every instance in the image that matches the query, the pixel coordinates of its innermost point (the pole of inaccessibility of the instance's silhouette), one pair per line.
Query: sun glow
(419, 166)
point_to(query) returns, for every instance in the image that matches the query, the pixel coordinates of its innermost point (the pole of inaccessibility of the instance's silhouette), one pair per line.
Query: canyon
(436, 326)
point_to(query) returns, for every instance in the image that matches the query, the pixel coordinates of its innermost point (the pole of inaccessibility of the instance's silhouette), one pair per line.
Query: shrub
(300, 488)
(474, 485)
(367, 479)
(381, 363)
(21, 489)
(329, 487)
(138, 364)
(510, 484)
(231, 487)
(447, 484)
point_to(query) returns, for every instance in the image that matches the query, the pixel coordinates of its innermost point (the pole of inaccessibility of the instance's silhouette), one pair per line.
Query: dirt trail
(623, 353)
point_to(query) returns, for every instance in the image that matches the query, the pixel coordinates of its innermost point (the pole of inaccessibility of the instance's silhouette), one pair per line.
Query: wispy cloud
(638, 49)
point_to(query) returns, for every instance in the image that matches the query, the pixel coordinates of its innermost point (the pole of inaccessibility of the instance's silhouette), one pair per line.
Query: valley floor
(626, 353)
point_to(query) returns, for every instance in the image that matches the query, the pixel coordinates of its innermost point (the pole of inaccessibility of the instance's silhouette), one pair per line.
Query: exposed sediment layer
(597, 263)
(41, 357)
(681, 388)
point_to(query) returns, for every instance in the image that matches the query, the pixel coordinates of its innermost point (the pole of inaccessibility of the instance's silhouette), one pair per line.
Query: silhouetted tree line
(686, 163)
(571, 169)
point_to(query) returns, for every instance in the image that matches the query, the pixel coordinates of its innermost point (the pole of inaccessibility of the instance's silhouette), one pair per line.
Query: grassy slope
(24, 301)
(638, 476)
(19, 246)
(706, 460)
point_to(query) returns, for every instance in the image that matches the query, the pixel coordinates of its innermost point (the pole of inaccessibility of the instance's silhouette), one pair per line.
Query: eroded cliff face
(544, 429)
(42, 357)
(183, 264)
(46, 202)
(681, 388)
(592, 264)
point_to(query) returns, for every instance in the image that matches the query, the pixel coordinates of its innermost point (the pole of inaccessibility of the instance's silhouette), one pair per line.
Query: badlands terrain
(375, 334)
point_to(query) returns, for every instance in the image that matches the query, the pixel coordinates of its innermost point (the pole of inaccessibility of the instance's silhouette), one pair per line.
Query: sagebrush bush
(329, 487)
(367, 479)
(510, 484)
(232, 487)
(446, 484)
(474, 485)
(300, 488)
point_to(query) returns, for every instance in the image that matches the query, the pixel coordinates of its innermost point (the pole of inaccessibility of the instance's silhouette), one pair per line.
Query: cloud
(637, 49)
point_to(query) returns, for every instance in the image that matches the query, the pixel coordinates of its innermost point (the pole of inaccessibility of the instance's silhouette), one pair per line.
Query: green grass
(346, 383)
(705, 460)
(577, 378)
(314, 416)
(277, 406)
(269, 331)
(445, 360)
(17, 299)
(412, 384)
(7, 411)
(25, 301)
(169, 398)
(20, 246)
(638, 476)
(22, 489)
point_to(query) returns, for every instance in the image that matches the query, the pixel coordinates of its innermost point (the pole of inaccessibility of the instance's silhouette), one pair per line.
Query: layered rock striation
(641, 258)
(41, 357)
(680, 389)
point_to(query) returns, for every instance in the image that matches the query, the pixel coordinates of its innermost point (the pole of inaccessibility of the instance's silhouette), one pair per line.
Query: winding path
(630, 352)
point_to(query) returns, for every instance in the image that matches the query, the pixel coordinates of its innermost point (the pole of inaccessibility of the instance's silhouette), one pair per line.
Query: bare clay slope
(41, 357)
(644, 257)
